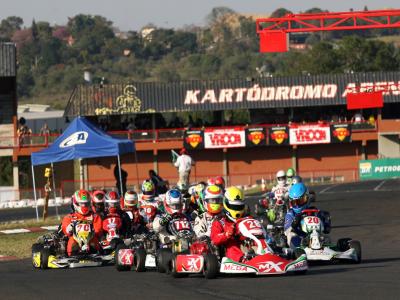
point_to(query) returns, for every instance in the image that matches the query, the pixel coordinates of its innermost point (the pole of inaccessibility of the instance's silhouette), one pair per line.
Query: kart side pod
(190, 264)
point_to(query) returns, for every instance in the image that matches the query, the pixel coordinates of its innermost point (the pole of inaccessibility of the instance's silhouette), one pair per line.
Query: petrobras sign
(309, 134)
(379, 168)
(77, 138)
(224, 138)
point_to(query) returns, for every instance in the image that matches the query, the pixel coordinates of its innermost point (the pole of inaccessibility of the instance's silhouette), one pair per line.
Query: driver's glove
(165, 219)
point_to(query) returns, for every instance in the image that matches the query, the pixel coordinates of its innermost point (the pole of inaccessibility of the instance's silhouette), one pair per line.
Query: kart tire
(36, 248)
(119, 267)
(139, 260)
(164, 257)
(211, 266)
(298, 252)
(44, 258)
(343, 244)
(173, 269)
(356, 245)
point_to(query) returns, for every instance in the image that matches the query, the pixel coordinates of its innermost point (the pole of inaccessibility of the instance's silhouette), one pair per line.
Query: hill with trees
(52, 59)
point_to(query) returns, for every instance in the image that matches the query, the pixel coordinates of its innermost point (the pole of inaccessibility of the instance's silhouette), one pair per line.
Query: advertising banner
(340, 133)
(193, 139)
(224, 138)
(310, 134)
(379, 168)
(278, 135)
(256, 137)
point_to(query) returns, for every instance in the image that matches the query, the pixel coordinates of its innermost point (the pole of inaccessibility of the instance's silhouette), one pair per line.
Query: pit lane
(367, 211)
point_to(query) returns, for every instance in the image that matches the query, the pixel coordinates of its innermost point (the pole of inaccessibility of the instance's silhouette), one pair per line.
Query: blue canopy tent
(82, 139)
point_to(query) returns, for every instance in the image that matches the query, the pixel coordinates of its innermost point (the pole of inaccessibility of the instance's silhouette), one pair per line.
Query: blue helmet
(298, 197)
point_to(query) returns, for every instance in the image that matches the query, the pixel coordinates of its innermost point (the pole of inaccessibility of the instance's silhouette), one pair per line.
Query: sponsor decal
(189, 263)
(193, 139)
(231, 267)
(224, 138)
(365, 168)
(269, 266)
(340, 133)
(256, 137)
(125, 257)
(278, 135)
(309, 134)
(77, 138)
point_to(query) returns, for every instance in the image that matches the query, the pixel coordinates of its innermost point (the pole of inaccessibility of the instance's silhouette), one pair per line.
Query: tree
(280, 12)
(219, 13)
(8, 26)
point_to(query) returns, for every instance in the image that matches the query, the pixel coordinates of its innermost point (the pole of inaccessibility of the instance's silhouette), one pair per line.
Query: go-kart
(50, 250)
(261, 259)
(318, 247)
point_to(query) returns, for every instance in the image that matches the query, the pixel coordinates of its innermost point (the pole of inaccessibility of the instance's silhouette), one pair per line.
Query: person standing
(184, 164)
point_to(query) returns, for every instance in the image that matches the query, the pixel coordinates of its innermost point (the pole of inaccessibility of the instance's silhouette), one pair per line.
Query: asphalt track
(367, 211)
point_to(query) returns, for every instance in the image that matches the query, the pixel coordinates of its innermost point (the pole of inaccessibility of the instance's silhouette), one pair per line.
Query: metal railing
(169, 134)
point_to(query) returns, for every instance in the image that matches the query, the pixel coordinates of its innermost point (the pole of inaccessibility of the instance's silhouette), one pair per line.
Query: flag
(174, 156)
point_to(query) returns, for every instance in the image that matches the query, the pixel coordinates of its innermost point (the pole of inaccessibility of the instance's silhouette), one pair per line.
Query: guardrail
(170, 134)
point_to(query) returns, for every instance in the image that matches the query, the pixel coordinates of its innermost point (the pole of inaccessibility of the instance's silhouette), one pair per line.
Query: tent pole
(137, 171)
(54, 190)
(34, 193)
(120, 176)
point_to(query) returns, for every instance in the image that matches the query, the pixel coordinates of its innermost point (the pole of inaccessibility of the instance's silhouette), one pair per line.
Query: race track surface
(367, 211)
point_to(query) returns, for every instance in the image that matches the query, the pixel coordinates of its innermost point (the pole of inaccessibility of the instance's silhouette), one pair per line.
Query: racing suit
(67, 228)
(222, 234)
(202, 224)
(133, 222)
(160, 226)
(292, 226)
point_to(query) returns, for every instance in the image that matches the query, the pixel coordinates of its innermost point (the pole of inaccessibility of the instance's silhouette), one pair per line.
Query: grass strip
(18, 245)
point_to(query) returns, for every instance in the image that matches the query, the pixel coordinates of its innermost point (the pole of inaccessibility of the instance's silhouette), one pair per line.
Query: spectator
(45, 129)
(357, 118)
(124, 177)
(131, 126)
(160, 184)
(371, 120)
(24, 134)
(184, 164)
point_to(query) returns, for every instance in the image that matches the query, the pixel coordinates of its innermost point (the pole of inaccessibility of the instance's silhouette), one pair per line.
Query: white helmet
(281, 177)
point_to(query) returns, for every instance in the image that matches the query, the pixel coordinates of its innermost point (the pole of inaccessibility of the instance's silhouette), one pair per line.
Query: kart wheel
(36, 248)
(211, 266)
(174, 273)
(116, 260)
(164, 257)
(44, 258)
(343, 244)
(356, 245)
(139, 260)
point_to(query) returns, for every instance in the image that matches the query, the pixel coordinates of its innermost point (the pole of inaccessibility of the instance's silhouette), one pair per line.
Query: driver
(173, 205)
(131, 217)
(281, 189)
(98, 203)
(299, 200)
(223, 229)
(290, 173)
(213, 207)
(148, 202)
(82, 213)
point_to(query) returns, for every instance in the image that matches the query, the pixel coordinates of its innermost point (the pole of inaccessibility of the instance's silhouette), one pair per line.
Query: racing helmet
(211, 181)
(296, 179)
(81, 202)
(289, 175)
(131, 200)
(98, 200)
(220, 181)
(173, 202)
(148, 189)
(281, 177)
(233, 203)
(112, 202)
(298, 197)
(213, 198)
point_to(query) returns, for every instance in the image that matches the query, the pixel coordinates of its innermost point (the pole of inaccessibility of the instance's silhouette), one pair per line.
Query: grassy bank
(18, 245)
(30, 223)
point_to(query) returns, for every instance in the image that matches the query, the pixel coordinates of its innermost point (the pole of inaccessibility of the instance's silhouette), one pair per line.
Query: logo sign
(189, 263)
(193, 139)
(224, 138)
(340, 133)
(278, 135)
(77, 138)
(256, 137)
(379, 168)
(309, 134)
(270, 267)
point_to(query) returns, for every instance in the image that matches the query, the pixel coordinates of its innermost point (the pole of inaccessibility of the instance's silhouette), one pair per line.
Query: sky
(133, 14)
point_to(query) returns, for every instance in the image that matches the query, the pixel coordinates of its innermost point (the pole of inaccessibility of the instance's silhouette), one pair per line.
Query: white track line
(379, 185)
(12, 231)
(327, 188)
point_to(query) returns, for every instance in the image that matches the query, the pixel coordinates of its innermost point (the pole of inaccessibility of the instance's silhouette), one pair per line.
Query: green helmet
(290, 172)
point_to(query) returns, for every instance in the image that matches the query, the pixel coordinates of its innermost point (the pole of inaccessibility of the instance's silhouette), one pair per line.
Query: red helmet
(81, 202)
(211, 181)
(220, 181)
(98, 199)
(112, 202)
